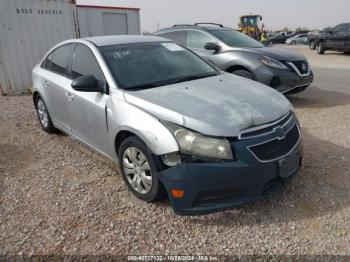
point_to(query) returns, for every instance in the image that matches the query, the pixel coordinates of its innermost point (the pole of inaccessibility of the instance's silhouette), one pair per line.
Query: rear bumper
(283, 80)
(212, 187)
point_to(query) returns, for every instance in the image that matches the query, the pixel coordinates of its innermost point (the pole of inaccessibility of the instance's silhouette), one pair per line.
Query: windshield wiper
(169, 82)
(142, 86)
(190, 78)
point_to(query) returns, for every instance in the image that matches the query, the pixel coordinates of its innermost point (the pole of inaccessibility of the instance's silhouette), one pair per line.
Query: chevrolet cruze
(173, 122)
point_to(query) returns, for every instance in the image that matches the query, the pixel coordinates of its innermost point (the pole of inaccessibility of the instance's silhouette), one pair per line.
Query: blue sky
(276, 13)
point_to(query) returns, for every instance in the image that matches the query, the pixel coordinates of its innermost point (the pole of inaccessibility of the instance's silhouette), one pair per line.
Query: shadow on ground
(314, 97)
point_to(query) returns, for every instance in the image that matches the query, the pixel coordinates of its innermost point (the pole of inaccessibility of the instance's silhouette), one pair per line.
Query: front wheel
(139, 170)
(294, 42)
(312, 45)
(321, 48)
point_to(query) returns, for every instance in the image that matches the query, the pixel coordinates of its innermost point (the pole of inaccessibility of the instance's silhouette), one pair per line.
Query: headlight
(193, 143)
(270, 62)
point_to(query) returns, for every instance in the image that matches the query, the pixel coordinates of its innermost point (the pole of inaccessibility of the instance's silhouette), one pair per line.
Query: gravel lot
(58, 197)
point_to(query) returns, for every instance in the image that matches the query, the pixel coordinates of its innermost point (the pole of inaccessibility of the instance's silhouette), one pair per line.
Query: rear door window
(47, 64)
(342, 28)
(57, 61)
(177, 36)
(85, 63)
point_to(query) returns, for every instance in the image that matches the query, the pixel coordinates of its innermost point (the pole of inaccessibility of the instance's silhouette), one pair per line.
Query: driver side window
(85, 63)
(197, 39)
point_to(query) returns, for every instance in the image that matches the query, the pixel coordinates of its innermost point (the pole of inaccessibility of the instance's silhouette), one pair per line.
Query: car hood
(281, 54)
(222, 105)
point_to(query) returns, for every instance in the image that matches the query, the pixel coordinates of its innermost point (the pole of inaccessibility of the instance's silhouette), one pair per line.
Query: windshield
(250, 20)
(149, 65)
(236, 39)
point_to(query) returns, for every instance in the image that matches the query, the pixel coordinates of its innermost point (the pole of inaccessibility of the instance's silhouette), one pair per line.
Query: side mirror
(87, 84)
(212, 46)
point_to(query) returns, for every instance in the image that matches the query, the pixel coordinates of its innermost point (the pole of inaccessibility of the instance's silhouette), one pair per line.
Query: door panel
(55, 89)
(336, 40)
(88, 109)
(347, 40)
(88, 115)
(54, 70)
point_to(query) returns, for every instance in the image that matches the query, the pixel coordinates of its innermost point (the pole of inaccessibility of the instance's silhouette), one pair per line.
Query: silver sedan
(173, 122)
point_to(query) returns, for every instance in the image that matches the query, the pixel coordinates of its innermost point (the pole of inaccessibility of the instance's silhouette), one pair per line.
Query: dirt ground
(59, 198)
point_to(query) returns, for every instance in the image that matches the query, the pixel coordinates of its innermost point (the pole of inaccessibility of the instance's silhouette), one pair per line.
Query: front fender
(228, 59)
(127, 117)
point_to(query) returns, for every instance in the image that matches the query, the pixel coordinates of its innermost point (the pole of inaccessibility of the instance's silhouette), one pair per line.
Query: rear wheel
(312, 45)
(321, 48)
(139, 170)
(243, 73)
(44, 116)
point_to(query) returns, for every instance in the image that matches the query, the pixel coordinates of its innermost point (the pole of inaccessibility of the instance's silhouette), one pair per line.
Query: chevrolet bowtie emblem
(280, 132)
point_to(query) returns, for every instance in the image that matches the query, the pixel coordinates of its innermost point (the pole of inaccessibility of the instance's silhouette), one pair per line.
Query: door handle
(70, 96)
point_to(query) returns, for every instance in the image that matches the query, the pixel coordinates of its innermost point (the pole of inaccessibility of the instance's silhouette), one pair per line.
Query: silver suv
(285, 70)
(172, 121)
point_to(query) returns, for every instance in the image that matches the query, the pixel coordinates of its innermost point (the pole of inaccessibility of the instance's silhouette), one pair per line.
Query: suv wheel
(243, 73)
(294, 42)
(44, 116)
(321, 48)
(139, 170)
(312, 45)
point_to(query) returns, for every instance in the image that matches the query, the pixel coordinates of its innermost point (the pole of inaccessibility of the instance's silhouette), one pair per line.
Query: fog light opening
(171, 159)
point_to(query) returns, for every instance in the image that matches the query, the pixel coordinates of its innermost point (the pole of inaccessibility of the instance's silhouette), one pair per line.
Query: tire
(141, 179)
(312, 45)
(294, 42)
(346, 52)
(44, 116)
(321, 48)
(243, 73)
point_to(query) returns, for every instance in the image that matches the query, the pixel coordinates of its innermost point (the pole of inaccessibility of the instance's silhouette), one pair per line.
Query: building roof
(109, 7)
(123, 39)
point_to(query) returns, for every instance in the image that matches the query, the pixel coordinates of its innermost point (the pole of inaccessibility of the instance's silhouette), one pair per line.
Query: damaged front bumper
(214, 186)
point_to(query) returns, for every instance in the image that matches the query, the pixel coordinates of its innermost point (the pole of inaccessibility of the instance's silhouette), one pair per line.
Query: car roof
(188, 26)
(123, 39)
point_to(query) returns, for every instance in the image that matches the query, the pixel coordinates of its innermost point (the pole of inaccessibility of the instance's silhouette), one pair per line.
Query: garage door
(115, 24)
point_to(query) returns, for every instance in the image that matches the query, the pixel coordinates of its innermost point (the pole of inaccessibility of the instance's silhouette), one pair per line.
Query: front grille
(302, 67)
(277, 148)
(258, 131)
